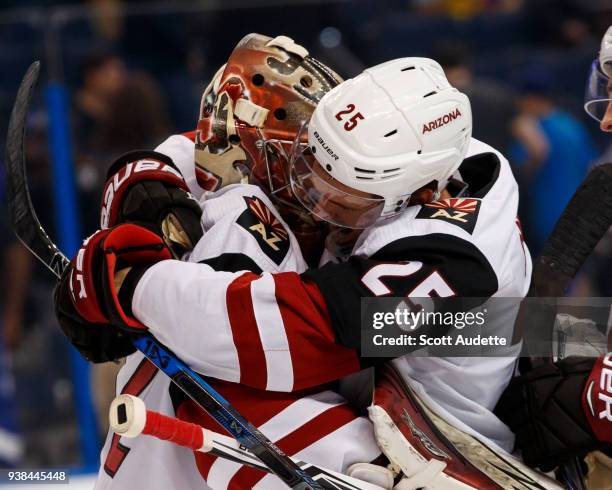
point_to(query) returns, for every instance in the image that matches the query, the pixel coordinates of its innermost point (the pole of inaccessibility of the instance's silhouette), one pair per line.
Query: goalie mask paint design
(249, 116)
(252, 110)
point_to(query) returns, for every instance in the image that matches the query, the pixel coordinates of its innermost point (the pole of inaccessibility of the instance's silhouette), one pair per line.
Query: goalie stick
(129, 417)
(28, 229)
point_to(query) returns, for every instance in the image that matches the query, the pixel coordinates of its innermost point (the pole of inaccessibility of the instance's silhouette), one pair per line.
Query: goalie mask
(373, 141)
(252, 110)
(598, 94)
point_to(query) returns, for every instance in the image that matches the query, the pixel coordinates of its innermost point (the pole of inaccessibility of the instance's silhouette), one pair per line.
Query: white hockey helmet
(377, 138)
(598, 94)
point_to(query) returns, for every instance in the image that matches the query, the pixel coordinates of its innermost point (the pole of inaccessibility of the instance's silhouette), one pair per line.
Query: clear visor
(327, 198)
(598, 94)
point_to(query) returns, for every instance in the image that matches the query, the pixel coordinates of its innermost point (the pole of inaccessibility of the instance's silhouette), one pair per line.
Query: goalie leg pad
(434, 455)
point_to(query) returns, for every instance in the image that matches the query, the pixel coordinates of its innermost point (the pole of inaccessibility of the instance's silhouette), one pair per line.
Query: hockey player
(564, 410)
(147, 188)
(285, 331)
(598, 97)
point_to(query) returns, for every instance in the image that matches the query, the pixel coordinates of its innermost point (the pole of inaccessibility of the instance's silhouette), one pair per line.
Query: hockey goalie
(247, 246)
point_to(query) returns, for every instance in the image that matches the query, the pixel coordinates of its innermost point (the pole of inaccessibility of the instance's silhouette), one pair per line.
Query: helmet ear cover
(605, 53)
(598, 92)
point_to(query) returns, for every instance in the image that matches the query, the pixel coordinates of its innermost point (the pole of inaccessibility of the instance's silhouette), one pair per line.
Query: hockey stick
(30, 232)
(23, 218)
(129, 417)
(583, 223)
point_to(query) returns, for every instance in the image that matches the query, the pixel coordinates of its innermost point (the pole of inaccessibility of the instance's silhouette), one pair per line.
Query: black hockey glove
(548, 410)
(146, 188)
(96, 342)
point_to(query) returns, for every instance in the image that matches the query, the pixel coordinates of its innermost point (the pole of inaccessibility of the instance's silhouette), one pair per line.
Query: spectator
(551, 153)
(560, 23)
(102, 76)
(137, 117)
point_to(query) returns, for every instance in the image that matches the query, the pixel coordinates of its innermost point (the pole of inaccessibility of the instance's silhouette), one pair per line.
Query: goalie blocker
(146, 188)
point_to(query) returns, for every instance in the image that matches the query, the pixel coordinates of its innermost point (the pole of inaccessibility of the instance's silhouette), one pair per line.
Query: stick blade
(584, 222)
(24, 221)
(15, 145)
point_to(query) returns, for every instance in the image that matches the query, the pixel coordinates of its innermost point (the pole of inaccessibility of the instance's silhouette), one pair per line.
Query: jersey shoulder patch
(261, 223)
(461, 211)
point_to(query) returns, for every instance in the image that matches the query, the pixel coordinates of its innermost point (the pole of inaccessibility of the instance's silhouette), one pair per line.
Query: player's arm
(286, 331)
(265, 330)
(275, 331)
(433, 265)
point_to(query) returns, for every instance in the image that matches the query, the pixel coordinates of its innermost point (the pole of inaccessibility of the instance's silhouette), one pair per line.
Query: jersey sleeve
(288, 331)
(269, 331)
(433, 265)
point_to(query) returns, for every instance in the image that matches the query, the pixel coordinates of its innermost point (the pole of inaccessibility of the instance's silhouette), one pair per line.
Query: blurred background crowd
(134, 72)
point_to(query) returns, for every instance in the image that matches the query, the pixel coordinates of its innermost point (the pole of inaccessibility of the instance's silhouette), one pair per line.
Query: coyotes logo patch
(269, 232)
(462, 212)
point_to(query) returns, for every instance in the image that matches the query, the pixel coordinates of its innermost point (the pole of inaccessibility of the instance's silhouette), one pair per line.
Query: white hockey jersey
(318, 427)
(246, 311)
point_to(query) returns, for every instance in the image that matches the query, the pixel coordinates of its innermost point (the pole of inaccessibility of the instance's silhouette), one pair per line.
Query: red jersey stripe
(315, 356)
(257, 406)
(309, 433)
(253, 371)
(190, 134)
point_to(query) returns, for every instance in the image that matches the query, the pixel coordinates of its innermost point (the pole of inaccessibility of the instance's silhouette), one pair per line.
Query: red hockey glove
(145, 187)
(93, 312)
(97, 265)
